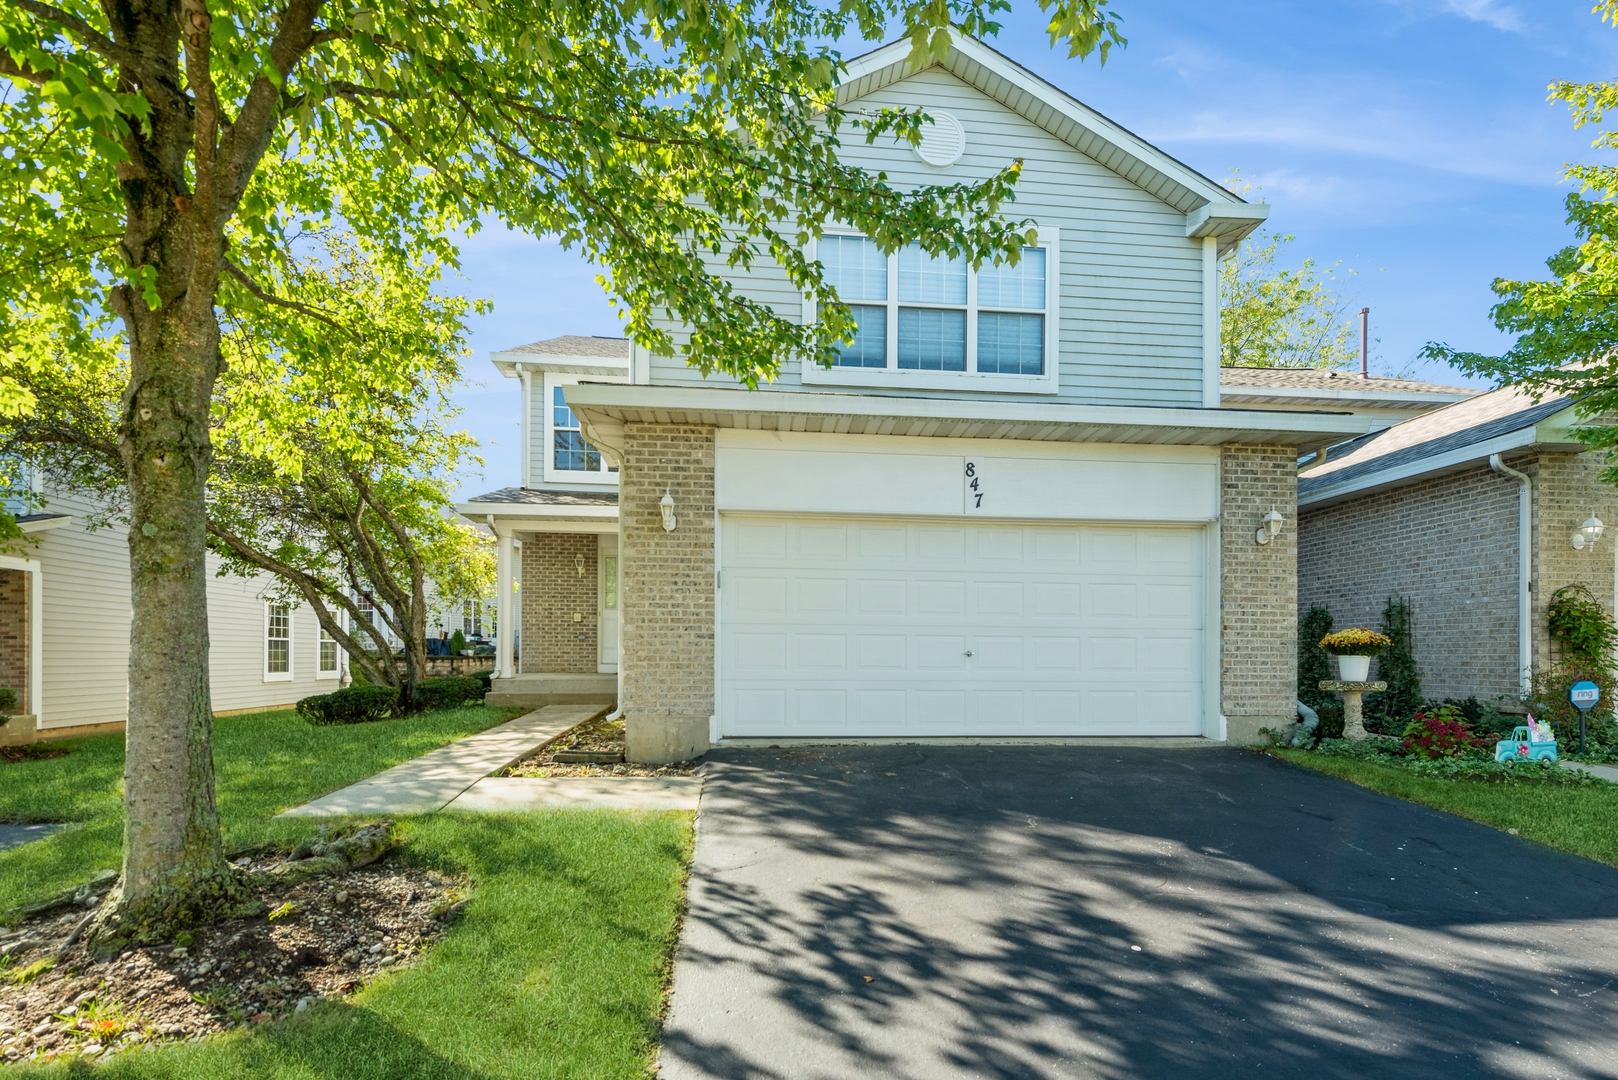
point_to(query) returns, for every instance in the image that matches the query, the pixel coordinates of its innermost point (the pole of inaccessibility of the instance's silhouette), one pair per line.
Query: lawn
(266, 763)
(1582, 819)
(556, 969)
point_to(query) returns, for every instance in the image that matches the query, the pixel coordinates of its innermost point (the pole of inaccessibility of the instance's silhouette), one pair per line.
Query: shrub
(1442, 732)
(353, 705)
(1313, 664)
(1390, 710)
(1547, 699)
(1355, 641)
(8, 700)
(1331, 720)
(457, 643)
(485, 680)
(1580, 625)
(448, 692)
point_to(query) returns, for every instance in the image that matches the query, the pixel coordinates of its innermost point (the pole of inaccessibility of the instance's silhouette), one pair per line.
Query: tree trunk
(175, 870)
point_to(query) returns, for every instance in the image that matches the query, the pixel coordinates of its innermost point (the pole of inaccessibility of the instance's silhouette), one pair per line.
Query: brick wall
(668, 588)
(14, 635)
(559, 617)
(1258, 590)
(1447, 544)
(1567, 488)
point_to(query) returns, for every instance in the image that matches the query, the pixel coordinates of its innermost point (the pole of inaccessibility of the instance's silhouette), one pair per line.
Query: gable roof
(1442, 440)
(1210, 209)
(1320, 379)
(573, 353)
(576, 345)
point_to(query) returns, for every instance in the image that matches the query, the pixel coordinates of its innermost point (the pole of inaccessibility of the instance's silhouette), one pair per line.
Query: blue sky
(1408, 139)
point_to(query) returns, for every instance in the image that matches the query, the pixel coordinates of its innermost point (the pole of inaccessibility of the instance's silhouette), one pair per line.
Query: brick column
(1258, 591)
(559, 616)
(667, 596)
(14, 658)
(1568, 489)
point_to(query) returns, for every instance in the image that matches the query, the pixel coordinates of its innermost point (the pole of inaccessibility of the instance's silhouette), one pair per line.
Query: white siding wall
(86, 630)
(1131, 281)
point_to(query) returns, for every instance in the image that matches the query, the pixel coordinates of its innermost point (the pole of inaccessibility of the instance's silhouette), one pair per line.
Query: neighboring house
(1385, 401)
(64, 631)
(1470, 512)
(1015, 508)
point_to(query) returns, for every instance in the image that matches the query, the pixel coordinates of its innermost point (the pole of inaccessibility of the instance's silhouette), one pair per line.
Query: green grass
(556, 969)
(266, 762)
(1580, 818)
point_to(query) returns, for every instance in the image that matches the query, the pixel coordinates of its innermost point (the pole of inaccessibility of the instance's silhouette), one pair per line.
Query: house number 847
(974, 485)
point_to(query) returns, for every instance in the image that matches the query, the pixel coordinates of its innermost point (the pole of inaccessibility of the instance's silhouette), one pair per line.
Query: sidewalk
(1605, 772)
(430, 782)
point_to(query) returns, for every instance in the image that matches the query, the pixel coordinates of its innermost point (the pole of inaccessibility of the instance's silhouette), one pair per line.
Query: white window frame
(321, 640)
(553, 475)
(971, 379)
(287, 675)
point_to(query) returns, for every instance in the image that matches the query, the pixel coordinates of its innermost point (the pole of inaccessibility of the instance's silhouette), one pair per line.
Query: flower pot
(1354, 668)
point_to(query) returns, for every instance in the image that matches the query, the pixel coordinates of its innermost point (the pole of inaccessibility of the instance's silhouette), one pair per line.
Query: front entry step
(553, 688)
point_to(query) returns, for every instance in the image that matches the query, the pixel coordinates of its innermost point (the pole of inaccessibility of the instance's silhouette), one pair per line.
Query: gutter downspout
(1525, 568)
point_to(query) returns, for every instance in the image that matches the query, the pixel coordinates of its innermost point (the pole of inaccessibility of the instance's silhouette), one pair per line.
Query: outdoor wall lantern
(1584, 539)
(578, 564)
(666, 505)
(1270, 528)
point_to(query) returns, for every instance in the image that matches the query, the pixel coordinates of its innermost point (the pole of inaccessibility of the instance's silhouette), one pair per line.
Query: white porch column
(504, 608)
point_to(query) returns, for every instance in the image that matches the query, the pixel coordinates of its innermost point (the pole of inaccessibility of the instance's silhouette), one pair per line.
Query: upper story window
(936, 323)
(567, 455)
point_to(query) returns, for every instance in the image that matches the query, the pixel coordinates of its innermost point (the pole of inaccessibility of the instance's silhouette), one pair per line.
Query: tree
(165, 156)
(1566, 326)
(1282, 318)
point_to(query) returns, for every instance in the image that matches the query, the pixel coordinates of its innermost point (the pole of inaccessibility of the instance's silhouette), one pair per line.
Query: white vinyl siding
(1131, 291)
(85, 663)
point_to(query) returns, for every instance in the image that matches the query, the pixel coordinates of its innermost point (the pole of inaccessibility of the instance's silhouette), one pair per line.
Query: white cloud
(1503, 17)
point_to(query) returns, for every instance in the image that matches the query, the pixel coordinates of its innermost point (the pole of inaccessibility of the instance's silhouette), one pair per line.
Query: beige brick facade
(1258, 590)
(559, 610)
(1450, 545)
(668, 591)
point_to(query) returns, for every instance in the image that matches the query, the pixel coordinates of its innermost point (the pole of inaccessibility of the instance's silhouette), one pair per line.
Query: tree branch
(92, 38)
(270, 298)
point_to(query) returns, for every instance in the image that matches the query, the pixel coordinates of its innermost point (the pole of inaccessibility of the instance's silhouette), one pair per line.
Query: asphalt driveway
(911, 912)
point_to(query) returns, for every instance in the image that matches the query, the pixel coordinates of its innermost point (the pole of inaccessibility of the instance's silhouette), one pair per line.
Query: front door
(607, 599)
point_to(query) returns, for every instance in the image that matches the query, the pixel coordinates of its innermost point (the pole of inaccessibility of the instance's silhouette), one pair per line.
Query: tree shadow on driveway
(912, 911)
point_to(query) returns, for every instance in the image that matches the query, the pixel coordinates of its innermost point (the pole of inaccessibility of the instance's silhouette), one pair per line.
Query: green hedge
(352, 705)
(449, 691)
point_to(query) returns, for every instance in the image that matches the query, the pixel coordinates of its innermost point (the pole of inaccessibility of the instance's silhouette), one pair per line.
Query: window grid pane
(328, 651)
(1011, 344)
(573, 454)
(280, 635)
(1020, 286)
(855, 267)
(561, 416)
(869, 349)
(932, 339)
(924, 279)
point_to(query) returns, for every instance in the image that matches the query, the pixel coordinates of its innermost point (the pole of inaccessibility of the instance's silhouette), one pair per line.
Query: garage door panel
(847, 628)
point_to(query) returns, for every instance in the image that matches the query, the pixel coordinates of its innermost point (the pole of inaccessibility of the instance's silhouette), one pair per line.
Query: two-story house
(1015, 507)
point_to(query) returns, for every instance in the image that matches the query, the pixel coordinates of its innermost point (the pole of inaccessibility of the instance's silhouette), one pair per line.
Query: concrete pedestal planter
(1353, 668)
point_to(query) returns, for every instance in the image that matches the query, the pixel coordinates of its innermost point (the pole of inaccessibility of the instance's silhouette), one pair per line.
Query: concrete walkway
(1606, 772)
(16, 835)
(504, 793)
(430, 782)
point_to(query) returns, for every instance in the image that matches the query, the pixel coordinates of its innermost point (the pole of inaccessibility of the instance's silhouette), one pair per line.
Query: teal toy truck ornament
(1535, 742)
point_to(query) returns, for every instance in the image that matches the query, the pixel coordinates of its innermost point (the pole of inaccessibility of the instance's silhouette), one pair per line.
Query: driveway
(913, 912)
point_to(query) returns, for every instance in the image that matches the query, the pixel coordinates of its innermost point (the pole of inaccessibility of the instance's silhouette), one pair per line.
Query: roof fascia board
(1344, 397)
(593, 400)
(480, 511)
(1414, 471)
(44, 524)
(512, 363)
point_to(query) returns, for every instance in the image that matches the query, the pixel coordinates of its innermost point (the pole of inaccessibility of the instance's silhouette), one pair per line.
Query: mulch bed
(602, 736)
(324, 937)
(32, 752)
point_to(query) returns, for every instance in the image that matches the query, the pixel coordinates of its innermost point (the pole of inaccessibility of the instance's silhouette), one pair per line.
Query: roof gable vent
(942, 142)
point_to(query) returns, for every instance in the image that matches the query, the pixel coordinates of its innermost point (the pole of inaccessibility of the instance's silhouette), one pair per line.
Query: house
(64, 630)
(1017, 507)
(1474, 513)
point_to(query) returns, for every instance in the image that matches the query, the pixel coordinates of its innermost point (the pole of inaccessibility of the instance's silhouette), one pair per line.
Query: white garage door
(871, 627)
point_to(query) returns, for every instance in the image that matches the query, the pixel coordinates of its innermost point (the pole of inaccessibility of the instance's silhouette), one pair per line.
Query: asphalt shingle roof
(577, 345)
(1317, 379)
(532, 497)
